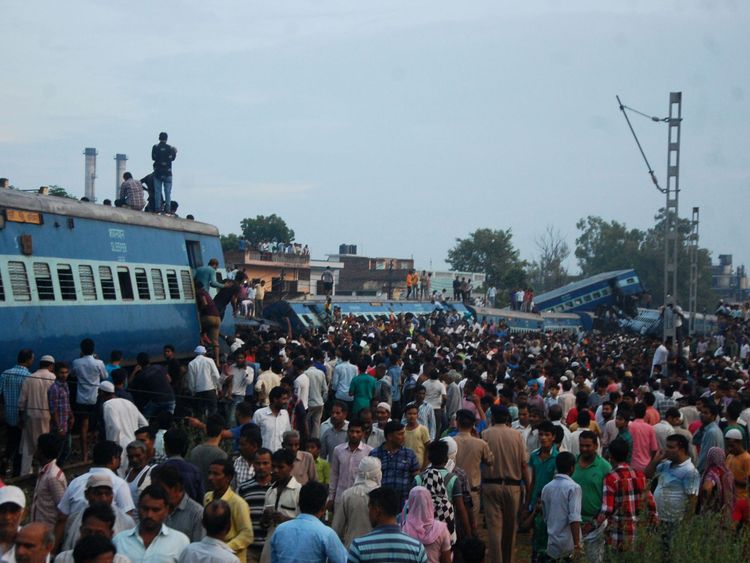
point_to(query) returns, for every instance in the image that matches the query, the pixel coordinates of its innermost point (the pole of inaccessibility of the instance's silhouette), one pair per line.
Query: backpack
(434, 481)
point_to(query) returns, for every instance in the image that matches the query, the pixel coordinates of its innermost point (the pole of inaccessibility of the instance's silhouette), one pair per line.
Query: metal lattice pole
(693, 247)
(671, 218)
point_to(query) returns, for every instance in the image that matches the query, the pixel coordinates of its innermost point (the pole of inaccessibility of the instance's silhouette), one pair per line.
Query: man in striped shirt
(386, 542)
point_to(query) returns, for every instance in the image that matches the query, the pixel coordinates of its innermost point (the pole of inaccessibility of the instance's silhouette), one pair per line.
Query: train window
(578, 301)
(19, 283)
(66, 281)
(586, 298)
(2, 288)
(187, 284)
(596, 295)
(158, 282)
(126, 284)
(605, 291)
(43, 279)
(108, 283)
(195, 256)
(88, 286)
(141, 282)
(174, 288)
(568, 305)
(630, 281)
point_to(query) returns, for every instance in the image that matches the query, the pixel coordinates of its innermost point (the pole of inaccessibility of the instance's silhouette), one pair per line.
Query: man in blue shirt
(11, 382)
(399, 464)
(306, 538)
(151, 540)
(712, 435)
(206, 275)
(343, 374)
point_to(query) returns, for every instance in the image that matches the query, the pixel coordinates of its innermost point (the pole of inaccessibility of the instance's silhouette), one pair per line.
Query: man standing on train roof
(207, 275)
(163, 155)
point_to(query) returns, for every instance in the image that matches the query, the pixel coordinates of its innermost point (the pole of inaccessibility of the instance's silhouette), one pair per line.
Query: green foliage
(609, 245)
(59, 191)
(230, 242)
(271, 228)
(701, 539)
(492, 252)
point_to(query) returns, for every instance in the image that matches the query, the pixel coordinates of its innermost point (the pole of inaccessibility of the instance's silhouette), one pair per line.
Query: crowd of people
(434, 438)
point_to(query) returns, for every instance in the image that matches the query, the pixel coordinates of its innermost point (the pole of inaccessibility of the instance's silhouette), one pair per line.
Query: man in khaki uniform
(501, 485)
(471, 453)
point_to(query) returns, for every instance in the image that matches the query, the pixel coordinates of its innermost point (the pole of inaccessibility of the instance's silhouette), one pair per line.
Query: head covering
(452, 451)
(107, 387)
(47, 358)
(720, 475)
(369, 473)
(199, 350)
(420, 522)
(733, 434)
(384, 405)
(12, 495)
(98, 480)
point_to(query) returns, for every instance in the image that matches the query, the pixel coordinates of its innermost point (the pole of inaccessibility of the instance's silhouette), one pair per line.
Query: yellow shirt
(240, 534)
(417, 440)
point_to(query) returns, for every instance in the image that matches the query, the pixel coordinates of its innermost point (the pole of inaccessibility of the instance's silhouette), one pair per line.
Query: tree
(59, 191)
(548, 271)
(266, 229)
(230, 242)
(492, 252)
(604, 246)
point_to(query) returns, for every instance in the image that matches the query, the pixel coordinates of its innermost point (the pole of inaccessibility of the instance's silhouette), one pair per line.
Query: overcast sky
(397, 126)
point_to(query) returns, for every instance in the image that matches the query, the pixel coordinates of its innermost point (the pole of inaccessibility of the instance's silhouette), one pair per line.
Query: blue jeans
(153, 408)
(166, 183)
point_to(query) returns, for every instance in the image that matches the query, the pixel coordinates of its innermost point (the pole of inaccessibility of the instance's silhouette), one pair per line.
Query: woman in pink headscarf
(420, 523)
(717, 493)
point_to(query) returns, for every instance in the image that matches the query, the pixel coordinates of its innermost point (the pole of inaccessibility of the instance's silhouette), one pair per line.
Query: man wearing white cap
(121, 419)
(33, 407)
(12, 505)
(738, 460)
(203, 381)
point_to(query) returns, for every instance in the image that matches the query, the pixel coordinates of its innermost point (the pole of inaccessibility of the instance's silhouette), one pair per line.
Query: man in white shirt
(661, 354)
(273, 420)
(301, 383)
(267, 379)
(121, 419)
(88, 371)
(203, 381)
(240, 378)
(316, 398)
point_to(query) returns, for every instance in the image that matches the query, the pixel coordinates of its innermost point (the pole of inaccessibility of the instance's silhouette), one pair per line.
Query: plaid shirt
(11, 382)
(398, 469)
(59, 404)
(625, 491)
(663, 405)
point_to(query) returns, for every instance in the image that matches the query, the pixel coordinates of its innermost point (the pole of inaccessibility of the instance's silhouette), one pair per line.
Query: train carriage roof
(55, 205)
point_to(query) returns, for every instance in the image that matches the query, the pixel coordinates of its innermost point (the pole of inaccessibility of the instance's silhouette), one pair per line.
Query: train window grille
(43, 280)
(578, 301)
(187, 284)
(66, 281)
(587, 298)
(19, 282)
(126, 284)
(174, 288)
(596, 295)
(2, 288)
(158, 282)
(108, 283)
(88, 284)
(141, 282)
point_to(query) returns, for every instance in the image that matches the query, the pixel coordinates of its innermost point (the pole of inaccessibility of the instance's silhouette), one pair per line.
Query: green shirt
(323, 471)
(544, 472)
(591, 479)
(362, 388)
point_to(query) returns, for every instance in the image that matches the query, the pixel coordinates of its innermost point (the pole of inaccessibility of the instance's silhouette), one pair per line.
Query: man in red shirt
(625, 495)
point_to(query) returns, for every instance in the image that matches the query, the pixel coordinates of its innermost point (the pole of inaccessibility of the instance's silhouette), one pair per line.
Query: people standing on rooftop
(163, 155)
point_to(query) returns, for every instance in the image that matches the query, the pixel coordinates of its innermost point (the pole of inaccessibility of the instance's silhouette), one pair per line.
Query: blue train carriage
(71, 270)
(516, 321)
(308, 313)
(619, 288)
